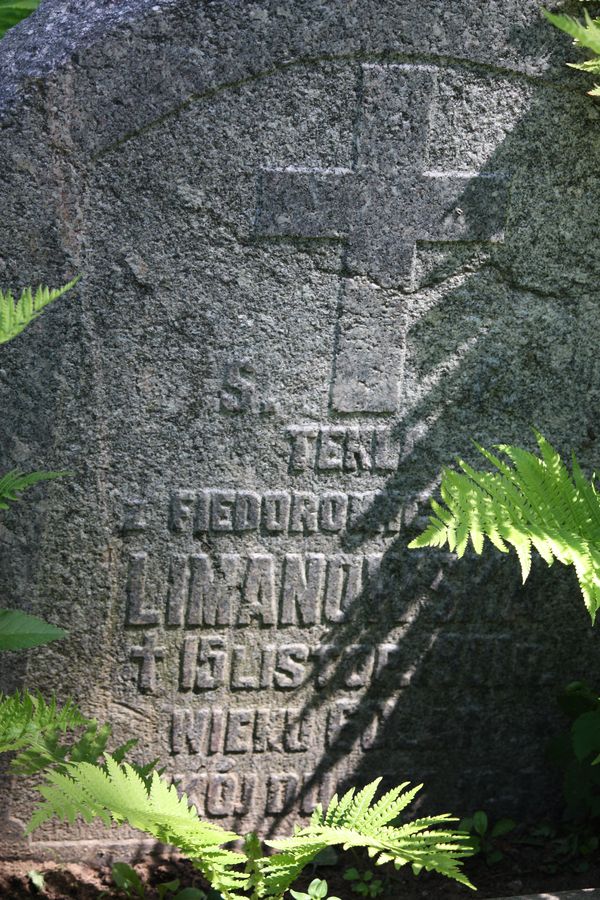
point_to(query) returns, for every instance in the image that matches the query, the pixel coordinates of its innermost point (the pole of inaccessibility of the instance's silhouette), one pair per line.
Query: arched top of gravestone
(165, 53)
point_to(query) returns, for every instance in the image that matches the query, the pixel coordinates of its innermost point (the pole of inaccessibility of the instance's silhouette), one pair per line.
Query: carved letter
(344, 584)
(247, 511)
(302, 588)
(358, 449)
(221, 511)
(304, 514)
(276, 511)
(334, 507)
(258, 599)
(136, 589)
(239, 731)
(302, 447)
(179, 578)
(331, 451)
(212, 660)
(182, 504)
(290, 659)
(189, 730)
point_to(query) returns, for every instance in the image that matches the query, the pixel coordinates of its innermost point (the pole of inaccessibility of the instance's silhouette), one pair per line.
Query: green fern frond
(354, 821)
(26, 719)
(531, 502)
(15, 482)
(585, 34)
(45, 735)
(116, 793)
(16, 315)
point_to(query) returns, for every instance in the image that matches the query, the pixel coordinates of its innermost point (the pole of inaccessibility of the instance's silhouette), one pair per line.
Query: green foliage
(486, 838)
(16, 482)
(19, 631)
(127, 880)
(16, 315)
(576, 751)
(566, 847)
(36, 879)
(355, 821)
(586, 35)
(116, 793)
(44, 735)
(533, 503)
(364, 883)
(317, 890)
(13, 11)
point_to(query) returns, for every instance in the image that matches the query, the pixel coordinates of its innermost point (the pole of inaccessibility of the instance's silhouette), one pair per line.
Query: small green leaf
(351, 874)
(169, 887)
(326, 857)
(190, 893)
(317, 888)
(37, 880)
(12, 11)
(480, 822)
(586, 734)
(502, 827)
(300, 895)
(19, 630)
(493, 857)
(127, 878)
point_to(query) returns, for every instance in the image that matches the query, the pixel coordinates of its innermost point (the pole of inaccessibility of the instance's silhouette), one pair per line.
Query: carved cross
(381, 208)
(147, 656)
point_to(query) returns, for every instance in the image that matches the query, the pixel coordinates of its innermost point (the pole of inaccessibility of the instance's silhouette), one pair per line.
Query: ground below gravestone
(519, 874)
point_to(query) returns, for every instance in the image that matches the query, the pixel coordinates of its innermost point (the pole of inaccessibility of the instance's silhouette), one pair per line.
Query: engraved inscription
(239, 392)
(262, 588)
(274, 513)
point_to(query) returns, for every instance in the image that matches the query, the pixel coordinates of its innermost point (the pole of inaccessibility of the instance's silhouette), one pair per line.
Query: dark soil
(516, 874)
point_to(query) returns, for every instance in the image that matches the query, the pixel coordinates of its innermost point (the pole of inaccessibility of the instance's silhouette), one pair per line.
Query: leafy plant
(567, 846)
(586, 35)
(13, 11)
(44, 735)
(18, 630)
(486, 837)
(532, 504)
(16, 315)
(364, 883)
(317, 890)
(127, 880)
(116, 793)
(576, 751)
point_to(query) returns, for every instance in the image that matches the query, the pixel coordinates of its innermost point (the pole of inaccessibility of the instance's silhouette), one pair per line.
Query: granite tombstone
(323, 244)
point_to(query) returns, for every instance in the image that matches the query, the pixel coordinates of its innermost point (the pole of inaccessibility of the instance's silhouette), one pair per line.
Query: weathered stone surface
(324, 244)
(584, 894)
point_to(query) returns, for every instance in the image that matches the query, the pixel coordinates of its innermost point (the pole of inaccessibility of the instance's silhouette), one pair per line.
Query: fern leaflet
(116, 793)
(355, 821)
(45, 735)
(585, 34)
(16, 315)
(529, 503)
(15, 482)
